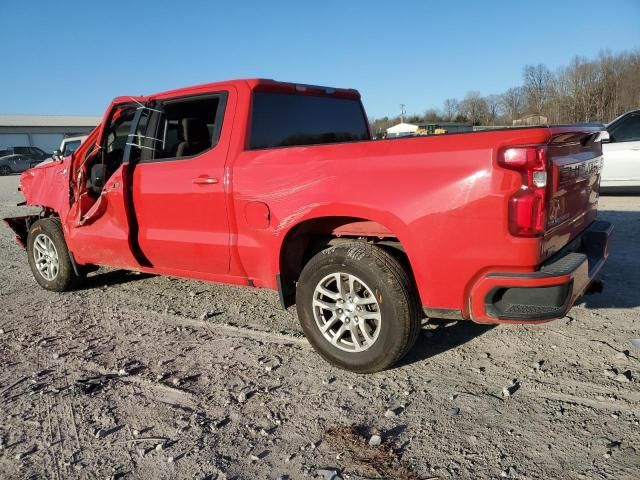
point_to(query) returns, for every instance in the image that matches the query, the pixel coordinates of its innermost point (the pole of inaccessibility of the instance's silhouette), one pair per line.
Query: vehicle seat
(193, 135)
(97, 179)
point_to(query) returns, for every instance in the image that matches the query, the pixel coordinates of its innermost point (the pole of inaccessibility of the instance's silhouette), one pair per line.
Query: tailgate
(575, 163)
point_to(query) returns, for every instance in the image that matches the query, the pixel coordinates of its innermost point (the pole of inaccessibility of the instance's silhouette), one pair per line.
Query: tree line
(596, 90)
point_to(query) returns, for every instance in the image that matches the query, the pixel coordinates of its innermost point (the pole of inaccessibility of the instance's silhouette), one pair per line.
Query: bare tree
(451, 109)
(513, 103)
(474, 108)
(493, 109)
(537, 86)
(432, 116)
(597, 89)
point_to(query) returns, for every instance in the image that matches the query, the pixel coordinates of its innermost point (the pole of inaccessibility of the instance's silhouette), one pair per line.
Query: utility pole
(402, 112)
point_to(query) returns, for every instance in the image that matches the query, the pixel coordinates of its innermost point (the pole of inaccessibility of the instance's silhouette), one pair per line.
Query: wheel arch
(311, 235)
(67, 274)
(22, 225)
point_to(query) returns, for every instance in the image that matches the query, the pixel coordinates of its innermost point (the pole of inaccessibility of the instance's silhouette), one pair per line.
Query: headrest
(193, 130)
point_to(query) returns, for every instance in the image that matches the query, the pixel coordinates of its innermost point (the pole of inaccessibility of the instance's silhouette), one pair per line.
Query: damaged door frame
(82, 224)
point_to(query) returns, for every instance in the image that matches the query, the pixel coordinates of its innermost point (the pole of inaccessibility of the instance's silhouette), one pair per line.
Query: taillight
(527, 212)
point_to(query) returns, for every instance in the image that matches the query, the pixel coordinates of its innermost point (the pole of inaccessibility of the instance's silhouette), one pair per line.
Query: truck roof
(263, 84)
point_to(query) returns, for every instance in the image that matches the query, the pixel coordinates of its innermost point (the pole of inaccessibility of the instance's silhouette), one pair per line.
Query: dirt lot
(137, 376)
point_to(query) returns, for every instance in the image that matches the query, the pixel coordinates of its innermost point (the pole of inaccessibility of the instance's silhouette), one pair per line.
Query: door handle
(204, 180)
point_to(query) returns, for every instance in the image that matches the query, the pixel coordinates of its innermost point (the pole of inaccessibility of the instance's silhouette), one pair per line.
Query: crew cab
(279, 185)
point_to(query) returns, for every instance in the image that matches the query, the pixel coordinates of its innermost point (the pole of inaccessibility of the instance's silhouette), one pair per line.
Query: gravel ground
(137, 376)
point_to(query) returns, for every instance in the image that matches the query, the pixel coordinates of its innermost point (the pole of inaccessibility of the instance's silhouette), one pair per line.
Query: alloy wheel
(347, 312)
(46, 257)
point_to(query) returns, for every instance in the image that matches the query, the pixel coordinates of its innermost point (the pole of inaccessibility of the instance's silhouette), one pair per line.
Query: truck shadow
(447, 335)
(621, 273)
(622, 290)
(107, 278)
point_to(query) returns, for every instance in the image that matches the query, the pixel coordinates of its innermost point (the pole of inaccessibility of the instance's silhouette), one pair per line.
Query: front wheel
(4, 170)
(358, 307)
(49, 257)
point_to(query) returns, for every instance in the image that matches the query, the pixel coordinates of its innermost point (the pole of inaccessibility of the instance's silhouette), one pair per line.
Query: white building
(43, 131)
(531, 120)
(401, 129)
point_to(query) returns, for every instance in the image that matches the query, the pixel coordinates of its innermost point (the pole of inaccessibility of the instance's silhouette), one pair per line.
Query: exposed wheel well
(313, 236)
(22, 225)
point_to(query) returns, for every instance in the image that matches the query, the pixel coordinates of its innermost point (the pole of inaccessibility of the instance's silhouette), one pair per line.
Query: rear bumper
(547, 293)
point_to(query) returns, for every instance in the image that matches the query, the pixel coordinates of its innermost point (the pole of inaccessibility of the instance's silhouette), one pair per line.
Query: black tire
(65, 278)
(399, 307)
(4, 170)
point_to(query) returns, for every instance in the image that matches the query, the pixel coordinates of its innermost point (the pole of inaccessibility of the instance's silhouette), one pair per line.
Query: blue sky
(73, 57)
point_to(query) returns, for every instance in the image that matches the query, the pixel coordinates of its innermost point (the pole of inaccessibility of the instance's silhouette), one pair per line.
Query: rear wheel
(358, 307)
(49, 257)
(4, 170)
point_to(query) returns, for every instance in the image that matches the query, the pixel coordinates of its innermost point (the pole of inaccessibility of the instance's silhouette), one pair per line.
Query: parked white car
(18, 159)
(67, 147)
(70, 145)
(621, 169)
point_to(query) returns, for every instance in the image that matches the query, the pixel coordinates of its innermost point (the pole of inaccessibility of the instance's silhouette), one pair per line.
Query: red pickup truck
(280, 185)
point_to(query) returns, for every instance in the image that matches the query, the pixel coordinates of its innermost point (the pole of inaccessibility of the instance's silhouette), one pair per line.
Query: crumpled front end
(46, 186)
(21, 226)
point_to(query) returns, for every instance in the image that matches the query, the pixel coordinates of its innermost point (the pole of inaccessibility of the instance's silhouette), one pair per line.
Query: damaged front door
(98, 223)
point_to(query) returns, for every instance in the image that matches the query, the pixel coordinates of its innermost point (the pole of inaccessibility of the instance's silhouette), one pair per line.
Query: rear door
(622, 153)
(178, 190)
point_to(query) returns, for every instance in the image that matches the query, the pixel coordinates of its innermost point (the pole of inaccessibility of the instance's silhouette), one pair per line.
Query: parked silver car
(19, 159)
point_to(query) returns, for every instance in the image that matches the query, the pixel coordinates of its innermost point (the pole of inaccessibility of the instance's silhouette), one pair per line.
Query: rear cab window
(290, 119)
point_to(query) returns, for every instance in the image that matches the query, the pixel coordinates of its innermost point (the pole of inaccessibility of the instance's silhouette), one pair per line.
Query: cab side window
(138, 139)
(627, 130)
(186, 127)
(101, 161)
(118, 133)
